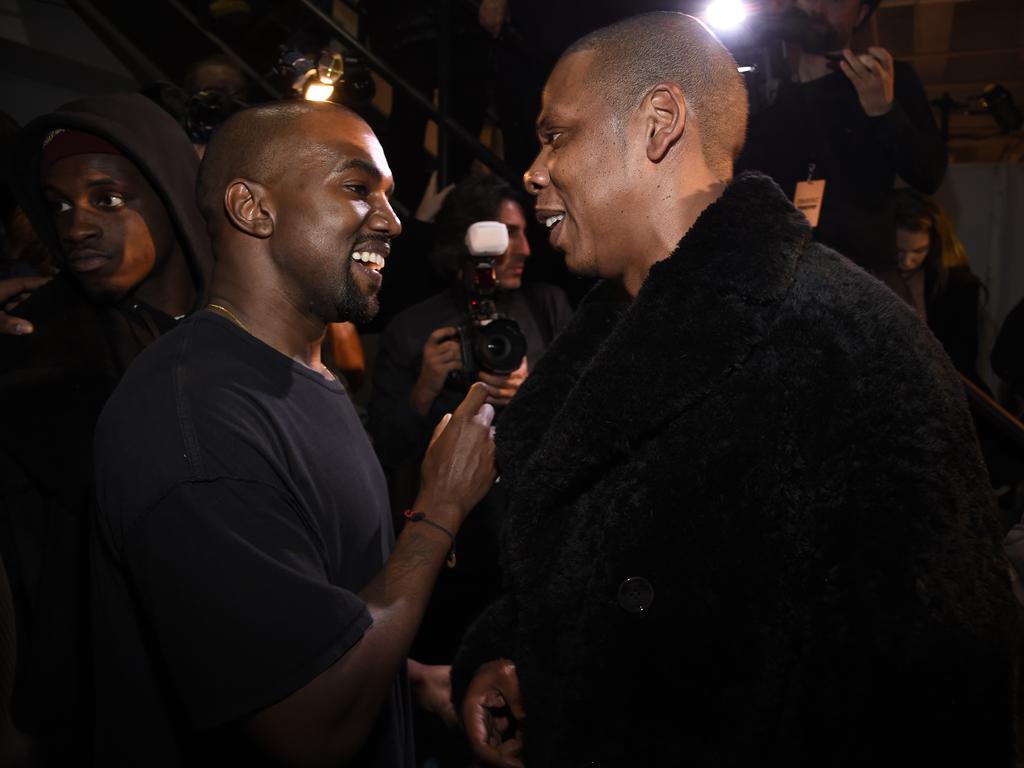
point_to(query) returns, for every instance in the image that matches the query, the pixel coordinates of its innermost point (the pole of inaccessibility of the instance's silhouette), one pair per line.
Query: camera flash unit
(487, 238)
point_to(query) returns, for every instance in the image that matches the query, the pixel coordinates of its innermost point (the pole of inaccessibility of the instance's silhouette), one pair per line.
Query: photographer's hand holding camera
(502, 388)
(441, 355)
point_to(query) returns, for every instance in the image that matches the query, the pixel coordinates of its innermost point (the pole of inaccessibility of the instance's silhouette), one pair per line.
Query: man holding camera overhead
(841, 129)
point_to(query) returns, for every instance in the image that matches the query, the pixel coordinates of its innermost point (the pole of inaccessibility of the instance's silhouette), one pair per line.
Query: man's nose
(536, 178)
(78, 225)
(385, 220)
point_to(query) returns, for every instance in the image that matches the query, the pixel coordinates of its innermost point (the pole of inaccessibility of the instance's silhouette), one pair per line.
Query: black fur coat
(767, 453)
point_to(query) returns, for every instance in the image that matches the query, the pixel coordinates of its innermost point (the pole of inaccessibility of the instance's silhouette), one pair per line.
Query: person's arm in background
(12, 291)
(893, 98)
(400, 429)
(347, 353)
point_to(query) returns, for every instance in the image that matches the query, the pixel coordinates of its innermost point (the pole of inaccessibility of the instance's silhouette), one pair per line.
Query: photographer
(419, 370)
(853, 120)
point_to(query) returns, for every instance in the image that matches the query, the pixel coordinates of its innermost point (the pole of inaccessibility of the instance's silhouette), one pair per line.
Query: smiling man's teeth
(368, 257)
(550, 221)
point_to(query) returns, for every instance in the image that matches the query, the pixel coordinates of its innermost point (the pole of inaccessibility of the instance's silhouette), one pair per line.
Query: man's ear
(665, 119)
(865, 11)
(248, 207)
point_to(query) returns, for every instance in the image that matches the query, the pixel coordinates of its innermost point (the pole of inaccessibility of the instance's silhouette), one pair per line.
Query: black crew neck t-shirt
(240, 511)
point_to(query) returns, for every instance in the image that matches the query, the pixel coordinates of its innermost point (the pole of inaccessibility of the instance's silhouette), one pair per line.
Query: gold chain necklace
(232, 316)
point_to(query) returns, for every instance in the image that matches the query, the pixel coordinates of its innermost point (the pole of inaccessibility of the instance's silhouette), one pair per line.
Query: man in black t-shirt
(251, 603)
(839, 132)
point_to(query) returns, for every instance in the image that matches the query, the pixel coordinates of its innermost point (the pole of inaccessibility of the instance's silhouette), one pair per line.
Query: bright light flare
(725, 15)
(318, 92)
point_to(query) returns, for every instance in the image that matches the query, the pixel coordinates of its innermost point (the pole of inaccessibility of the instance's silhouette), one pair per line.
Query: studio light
(725, 15)
(314, 81)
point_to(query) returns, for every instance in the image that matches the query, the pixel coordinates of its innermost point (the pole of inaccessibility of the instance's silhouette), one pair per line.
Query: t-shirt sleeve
(231, 579)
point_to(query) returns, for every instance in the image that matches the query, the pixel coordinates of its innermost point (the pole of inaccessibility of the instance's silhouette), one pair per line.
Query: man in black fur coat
(749, 522)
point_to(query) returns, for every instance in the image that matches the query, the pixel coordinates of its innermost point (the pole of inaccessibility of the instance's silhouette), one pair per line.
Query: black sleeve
(954, 320)
(489, 638)
(909, 134)
(1008, 352)
(230, 577)
(398, 431)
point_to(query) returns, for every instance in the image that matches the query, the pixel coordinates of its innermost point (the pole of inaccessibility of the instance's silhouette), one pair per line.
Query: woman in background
(943, 289)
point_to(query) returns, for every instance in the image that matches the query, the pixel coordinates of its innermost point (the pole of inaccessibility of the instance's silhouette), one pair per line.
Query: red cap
(65, 142)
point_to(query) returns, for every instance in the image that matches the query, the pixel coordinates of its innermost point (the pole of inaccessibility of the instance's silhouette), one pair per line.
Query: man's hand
(501, 389)
(432, 690)
(12, 292)
(441, 355)
(459, 466)
(493, 715)
(492, 16)
(873, 75)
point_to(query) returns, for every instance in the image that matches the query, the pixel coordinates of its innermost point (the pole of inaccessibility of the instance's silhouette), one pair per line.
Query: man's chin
(360, 311)
(102, 291)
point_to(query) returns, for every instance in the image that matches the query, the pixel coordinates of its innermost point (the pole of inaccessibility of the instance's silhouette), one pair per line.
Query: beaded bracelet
(421, 517)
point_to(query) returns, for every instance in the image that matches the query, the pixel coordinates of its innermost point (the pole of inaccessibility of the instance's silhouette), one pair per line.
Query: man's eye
(59, 206)
(359, 189)
(109, 200)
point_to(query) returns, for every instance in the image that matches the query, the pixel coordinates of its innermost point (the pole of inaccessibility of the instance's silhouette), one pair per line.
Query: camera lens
(500, 346)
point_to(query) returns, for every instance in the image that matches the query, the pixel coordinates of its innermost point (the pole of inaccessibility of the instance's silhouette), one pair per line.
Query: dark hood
(147, 136)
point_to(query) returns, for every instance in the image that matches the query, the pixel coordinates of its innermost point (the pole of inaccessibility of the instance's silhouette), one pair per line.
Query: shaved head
(258, 144)
(634, 55)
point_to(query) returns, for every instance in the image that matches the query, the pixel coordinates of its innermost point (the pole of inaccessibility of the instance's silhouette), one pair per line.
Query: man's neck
(268, 315)
(811, 66)
(170, 287)
(670, 226)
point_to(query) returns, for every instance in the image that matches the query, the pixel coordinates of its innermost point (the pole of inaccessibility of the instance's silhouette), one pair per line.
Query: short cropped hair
(634, 55)
(251, 145)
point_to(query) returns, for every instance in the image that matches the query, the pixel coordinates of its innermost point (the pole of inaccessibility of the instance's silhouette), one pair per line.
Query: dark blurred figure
(21, 253)
(108, 183)
(1008, 358)
(942, 288)
(404, 34)
(856, 121)
(217, 72)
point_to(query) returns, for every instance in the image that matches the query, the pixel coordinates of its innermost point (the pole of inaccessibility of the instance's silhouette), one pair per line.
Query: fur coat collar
(621, 370)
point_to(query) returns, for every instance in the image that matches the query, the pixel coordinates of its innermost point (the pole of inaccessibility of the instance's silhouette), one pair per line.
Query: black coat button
(636, 594)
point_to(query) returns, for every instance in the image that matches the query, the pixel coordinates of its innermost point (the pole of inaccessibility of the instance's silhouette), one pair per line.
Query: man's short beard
(819, 37)
(352, 306)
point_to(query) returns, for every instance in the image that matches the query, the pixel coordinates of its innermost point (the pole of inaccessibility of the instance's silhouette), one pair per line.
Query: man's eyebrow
(103, 181)
(361, 165)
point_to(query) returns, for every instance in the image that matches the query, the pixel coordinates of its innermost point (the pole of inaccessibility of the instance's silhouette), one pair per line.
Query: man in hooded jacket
(108, 183)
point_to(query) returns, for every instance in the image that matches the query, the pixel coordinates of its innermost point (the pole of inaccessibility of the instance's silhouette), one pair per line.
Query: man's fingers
(485, 415)
(470, 405)
(869, 62)
(14, 326)
(882, 55)
(12, 286)
(440, 427)
(441, 333)
(853, 63)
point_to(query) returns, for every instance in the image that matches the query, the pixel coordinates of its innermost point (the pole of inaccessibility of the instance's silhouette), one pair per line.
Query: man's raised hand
(459, 466)
(873, 75)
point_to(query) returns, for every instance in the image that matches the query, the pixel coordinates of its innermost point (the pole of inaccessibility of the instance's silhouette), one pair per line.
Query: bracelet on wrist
(420, 517)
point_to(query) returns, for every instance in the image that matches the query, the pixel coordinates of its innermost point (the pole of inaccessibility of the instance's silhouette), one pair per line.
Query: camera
(489, 341)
